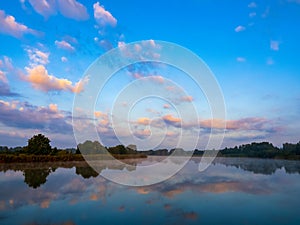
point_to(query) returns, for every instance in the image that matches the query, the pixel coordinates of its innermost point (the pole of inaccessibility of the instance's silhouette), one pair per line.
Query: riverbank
(24, 158)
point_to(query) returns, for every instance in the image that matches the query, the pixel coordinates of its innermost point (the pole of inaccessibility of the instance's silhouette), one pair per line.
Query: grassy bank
(24, 158)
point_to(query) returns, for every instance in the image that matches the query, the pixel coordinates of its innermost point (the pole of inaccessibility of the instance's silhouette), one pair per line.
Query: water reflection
(231, 191)
(36, 177)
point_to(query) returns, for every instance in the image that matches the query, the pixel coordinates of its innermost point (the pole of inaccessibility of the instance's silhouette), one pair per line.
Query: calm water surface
(231, 191)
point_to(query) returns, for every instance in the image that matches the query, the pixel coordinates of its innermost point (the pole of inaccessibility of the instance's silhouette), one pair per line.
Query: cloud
(26, 116)
(187, 98)
(40, 79)
(102, 16)
(37, 57)
(143, 121)
(142, 134)
(5, 89)
(6, 64)
(72, 9)
(64, 59)
(251, 123)
(166, 106)
(45, 8)
(171, 120)
(64, 45)
(8, 25)
(274, 45)
(241, 59)
(252, 5)
(103, 119)
(68, 8)
(3, 77)
(239, 28)
(252, 14)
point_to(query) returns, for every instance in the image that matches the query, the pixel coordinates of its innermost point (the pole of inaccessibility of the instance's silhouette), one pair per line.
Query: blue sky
(252, 47)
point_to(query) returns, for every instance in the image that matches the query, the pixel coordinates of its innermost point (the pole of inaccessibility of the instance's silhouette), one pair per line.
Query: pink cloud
(64, 45)
(251, 123)
(158, 79)
(187, 98)
(72, 9)
(167, 106)
(171, 120)
(102, 16)
(45, 8)
(8, 25)
(69, 8)
(40, 79)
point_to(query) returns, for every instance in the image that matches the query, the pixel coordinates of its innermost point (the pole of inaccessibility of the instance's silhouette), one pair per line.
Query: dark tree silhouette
(36, 177)
(39, 145)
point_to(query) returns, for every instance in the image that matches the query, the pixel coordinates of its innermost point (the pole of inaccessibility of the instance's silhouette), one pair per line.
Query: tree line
(39, 147)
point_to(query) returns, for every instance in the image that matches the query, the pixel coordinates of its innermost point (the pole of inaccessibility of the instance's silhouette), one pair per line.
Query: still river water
(231, 191)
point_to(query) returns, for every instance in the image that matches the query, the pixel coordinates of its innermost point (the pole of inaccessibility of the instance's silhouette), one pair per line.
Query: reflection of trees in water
(261, 166)
(86, 172)
(36, 177)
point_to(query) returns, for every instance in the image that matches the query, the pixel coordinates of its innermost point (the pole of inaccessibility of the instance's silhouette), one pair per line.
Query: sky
(251, 47)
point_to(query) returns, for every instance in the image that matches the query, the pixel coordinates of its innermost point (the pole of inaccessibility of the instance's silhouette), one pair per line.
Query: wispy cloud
(45, 8)
(274, 45)
(8, 25)
(72, 9)
(68, 8)
(37, 56)
(239, 28)
(187, 98)
(252, 5)
(64, 45)
(102, 16)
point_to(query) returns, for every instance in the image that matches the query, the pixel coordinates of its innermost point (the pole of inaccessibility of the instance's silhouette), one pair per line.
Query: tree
(39, 145)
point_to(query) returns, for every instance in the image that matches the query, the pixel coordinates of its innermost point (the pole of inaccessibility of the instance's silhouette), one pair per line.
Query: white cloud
(9, 25)
(37, 57)
(274, 45)
(239, 28)
(102, 16)
(64, 59)
(64, 45)
(252, 14)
